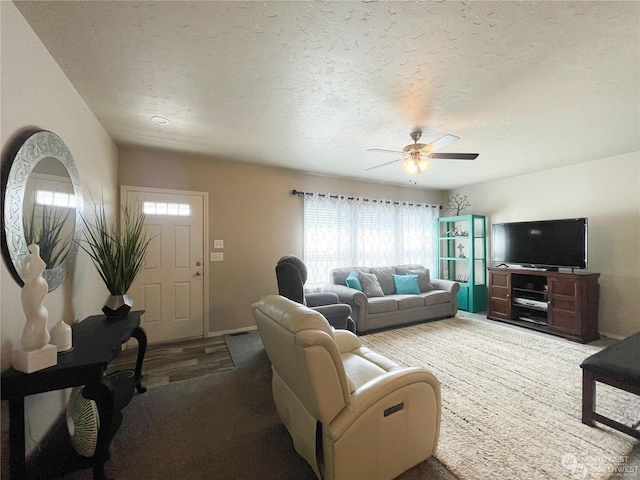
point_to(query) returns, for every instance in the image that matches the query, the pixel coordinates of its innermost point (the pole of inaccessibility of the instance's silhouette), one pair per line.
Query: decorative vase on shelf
(117, 306)
(118, 255)
(61, 336)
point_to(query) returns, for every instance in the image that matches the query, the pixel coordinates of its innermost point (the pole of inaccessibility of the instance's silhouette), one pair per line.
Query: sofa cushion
(406, 284)
(435, 297)
(409, 301)
(353, 281)
(404, 269)
(382, 305)
(370, 285)
(424, 279)
(339, 275)
(385, 277)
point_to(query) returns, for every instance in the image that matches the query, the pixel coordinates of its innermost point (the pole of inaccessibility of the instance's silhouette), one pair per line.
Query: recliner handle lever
(394, 409)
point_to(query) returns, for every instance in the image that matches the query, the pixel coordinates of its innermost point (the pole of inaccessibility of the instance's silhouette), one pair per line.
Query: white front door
(171, 286)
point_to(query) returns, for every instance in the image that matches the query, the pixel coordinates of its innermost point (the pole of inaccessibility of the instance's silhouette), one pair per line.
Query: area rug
(511, 401)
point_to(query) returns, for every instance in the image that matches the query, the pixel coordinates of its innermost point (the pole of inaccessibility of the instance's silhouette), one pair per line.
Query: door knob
(198, 274)
(198, 264)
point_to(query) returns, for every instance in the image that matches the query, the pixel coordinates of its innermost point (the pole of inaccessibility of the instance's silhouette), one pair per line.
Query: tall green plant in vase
(118, 255)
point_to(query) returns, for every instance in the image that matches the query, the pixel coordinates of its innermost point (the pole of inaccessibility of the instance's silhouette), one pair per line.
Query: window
(341, 231)
(163, 208)
(55, 199)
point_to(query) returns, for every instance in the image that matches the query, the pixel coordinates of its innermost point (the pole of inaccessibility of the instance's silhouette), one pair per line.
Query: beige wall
(251, 209)
(36, 94)
(607, 191)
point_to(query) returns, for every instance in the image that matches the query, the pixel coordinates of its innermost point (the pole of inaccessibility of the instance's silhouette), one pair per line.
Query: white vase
(61, 336)
(35, 334)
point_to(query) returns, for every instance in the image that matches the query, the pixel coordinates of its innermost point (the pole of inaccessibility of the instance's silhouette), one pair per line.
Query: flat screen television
(545, 243)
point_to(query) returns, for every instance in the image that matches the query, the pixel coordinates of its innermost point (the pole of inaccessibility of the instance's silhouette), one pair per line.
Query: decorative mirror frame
(38, 146)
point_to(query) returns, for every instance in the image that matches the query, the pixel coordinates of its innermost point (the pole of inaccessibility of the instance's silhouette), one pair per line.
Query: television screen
(544, 243)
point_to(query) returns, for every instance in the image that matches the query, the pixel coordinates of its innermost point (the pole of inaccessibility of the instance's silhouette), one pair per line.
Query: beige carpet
(511, 401)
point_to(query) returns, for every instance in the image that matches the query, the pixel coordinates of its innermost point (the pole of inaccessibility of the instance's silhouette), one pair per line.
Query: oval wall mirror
(42, 204)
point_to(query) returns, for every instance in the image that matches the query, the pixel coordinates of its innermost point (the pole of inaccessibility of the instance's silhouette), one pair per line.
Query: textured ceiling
(313, 85)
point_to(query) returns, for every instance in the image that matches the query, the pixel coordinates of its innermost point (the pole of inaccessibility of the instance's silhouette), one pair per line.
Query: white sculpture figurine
(35, 334)
(36, 353)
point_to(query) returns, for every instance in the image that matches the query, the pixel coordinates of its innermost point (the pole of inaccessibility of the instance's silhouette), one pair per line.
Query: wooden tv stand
(564, 304)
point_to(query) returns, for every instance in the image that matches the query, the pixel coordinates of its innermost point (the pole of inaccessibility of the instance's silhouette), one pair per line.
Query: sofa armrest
(350, 343)
(337, 315)
(318, 299)
(346, 341)
(369, 394)
(449, 286)
(355, 298)
(345, 294)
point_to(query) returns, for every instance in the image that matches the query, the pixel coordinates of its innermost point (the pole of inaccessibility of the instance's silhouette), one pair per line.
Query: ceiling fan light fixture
(415, 157)
(415, 163)
(424, 165)
(410, 166)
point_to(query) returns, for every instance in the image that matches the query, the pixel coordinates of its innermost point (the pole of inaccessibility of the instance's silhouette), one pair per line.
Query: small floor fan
(83, 423)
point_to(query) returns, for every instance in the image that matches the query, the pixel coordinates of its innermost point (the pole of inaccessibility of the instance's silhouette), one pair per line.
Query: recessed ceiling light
(160, 120)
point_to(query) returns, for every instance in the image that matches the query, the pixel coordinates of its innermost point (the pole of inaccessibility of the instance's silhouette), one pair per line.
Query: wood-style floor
(180, 360)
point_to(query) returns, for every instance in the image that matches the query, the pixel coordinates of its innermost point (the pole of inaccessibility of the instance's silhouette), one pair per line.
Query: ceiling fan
(416, 155)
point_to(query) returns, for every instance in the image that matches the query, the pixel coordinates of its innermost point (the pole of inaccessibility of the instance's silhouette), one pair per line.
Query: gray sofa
(381, 306)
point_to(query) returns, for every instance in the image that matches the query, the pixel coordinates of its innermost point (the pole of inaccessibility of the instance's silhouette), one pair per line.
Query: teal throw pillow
(353, 281)
(406, 284)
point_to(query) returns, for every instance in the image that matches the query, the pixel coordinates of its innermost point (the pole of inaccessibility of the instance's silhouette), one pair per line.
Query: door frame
(124, 189)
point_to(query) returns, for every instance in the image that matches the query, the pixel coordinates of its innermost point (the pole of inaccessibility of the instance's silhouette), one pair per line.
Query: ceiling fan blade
(383, 164)
(454, 156)
(439, 143)
(384, 151)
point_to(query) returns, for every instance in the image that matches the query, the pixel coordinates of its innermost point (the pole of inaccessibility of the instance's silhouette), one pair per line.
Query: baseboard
(231, 331)
(611, 335)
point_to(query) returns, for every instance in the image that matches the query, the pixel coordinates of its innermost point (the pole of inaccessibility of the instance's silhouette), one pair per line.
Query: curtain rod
(300, 193)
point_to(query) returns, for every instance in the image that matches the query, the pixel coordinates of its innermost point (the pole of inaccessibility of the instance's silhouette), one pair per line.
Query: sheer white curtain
(342, 231)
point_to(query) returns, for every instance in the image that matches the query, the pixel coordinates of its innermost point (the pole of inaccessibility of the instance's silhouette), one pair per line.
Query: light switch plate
(218, 244)
(217, 256)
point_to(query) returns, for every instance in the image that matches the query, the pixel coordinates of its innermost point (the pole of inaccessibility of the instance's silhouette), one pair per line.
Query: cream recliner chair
(352, 413)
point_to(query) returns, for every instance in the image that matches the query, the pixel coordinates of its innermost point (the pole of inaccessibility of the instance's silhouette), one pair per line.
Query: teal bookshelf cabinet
(461, 250)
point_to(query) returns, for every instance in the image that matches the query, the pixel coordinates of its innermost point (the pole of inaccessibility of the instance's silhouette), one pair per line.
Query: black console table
(97, 341)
